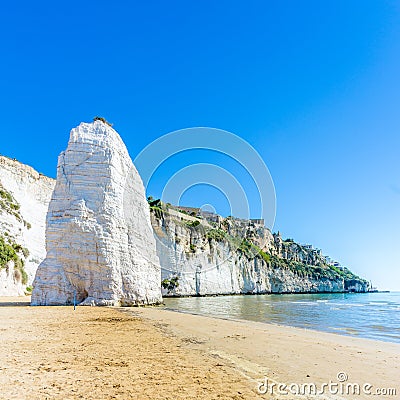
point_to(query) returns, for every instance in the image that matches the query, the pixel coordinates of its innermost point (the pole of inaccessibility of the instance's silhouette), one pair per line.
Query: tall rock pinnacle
(99, 240)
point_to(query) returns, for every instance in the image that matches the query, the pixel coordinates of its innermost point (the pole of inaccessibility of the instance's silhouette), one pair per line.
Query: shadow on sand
(15, 301)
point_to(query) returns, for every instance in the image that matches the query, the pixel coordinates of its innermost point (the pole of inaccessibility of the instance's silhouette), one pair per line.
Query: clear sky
(313, 86)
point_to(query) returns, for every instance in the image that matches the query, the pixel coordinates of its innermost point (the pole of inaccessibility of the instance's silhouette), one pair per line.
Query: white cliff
(100, 245)
(238, 257)
(24, 198)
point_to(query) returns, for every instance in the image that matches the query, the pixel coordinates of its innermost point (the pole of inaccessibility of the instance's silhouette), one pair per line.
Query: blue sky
(313, 86)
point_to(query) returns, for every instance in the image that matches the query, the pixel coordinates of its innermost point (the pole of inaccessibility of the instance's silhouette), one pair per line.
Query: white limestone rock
(203, 266)
(25, 226)
(99, 240)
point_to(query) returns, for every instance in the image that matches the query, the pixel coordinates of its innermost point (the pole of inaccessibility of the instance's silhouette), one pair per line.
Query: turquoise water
(368, 315)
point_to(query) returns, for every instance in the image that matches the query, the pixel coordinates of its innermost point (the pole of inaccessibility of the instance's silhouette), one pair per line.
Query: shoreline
(283, 326)
(183, 296)
(273, 324)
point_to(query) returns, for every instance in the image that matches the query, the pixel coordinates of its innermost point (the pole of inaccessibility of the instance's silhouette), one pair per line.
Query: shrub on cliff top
(102, 120)
(289, 240)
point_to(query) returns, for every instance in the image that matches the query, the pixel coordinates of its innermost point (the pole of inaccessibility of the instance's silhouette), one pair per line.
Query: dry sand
(151, 353)
(102, 353)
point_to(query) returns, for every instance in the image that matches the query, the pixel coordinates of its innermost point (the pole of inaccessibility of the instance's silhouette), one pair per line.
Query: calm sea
(370, 315)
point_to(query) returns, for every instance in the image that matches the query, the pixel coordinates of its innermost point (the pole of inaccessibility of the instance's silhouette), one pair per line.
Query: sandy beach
(287, 355)
(152, 353)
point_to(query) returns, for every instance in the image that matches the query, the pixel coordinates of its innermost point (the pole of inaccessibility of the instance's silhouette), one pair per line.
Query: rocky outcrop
(100, 245)
(232, 256)
(24, 198)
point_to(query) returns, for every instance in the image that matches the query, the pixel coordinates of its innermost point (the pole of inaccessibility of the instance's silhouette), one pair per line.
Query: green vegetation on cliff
(216, 234)
(170, 284)
(11, 252)
(11, 206)
(156, 207)
(321, 271)
(250, 250)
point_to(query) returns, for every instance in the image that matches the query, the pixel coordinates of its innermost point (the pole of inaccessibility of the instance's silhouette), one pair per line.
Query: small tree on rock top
(102, 120)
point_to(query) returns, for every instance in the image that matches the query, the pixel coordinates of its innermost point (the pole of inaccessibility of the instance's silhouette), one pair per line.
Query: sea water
(368, 315)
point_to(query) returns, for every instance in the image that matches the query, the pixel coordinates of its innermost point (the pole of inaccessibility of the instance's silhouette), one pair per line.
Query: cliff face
(24, 198)
(99, 241)
(230, 256)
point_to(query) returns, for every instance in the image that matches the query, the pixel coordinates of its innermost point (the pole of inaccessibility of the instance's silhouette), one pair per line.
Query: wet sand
(152, 353)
